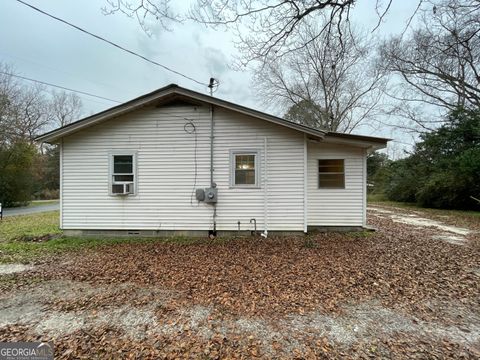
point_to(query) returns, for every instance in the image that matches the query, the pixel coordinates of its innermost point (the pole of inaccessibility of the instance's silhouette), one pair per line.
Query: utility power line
(111, 43)
(60, 87)
(86, 93)
(50, 68)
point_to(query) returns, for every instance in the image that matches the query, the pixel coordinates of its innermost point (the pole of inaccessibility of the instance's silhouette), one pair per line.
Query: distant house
(178, 161)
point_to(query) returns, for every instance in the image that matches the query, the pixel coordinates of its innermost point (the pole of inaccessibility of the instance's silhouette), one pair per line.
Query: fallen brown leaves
(399, 266)
(279, 276)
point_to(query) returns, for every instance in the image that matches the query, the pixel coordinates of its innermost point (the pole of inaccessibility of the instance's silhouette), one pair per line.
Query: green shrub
(444, 169)
(16, 172)
(47, 194)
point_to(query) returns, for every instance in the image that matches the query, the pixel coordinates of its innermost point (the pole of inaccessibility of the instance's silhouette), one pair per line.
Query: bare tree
(263, 28)
(31, 113)
(323, 84)
(22, 108)
(64, 108)
(270, 29)
(436, 67)
(160, 10)
(9, 89)
(26, 110)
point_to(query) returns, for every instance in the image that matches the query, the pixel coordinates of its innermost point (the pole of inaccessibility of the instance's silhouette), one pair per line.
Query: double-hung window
(244, 169)
(331, 173)
(122, 173)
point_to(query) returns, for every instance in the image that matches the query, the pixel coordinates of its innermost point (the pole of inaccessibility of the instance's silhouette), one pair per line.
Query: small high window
(331, 173)
(122, 174)
(244, 169)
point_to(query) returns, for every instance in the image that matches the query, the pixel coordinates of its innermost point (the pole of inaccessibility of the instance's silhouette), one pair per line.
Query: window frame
(111, 172)
(233, 155)
(331, 173)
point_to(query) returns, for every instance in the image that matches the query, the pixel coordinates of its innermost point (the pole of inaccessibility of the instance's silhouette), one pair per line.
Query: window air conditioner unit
(127, 188)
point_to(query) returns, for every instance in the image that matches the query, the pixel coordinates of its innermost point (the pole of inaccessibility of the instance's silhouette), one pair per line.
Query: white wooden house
(178, 161)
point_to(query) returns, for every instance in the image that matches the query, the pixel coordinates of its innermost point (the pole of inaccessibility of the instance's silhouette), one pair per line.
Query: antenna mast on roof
(213, 186)
(213, 84)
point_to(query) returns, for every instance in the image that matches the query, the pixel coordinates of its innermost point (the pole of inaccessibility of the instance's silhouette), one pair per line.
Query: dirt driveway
(407, 290)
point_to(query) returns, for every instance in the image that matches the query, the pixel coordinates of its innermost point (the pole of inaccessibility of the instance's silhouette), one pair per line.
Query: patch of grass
(310, 243)
(23, 252)
(8, 281)
(36, 203)
(413, 206)
(33, 225)
(376, 197)
(15, 229)
(19, 251)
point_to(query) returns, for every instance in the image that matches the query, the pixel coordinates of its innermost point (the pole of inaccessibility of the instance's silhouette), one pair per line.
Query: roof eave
(129, 106)
(132, 105)
(368, 142)
(251, 112)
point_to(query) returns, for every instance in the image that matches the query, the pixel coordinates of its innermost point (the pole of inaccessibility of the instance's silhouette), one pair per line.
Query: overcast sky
(44, 49)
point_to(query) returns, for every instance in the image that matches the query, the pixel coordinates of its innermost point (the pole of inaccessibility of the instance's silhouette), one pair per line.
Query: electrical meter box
(200, 194)
(211, 195)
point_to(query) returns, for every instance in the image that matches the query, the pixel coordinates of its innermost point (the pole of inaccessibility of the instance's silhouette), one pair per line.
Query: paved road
(30, 210)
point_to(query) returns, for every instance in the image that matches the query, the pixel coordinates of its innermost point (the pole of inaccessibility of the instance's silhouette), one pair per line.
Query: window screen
(331, 173)
(245, 169)
(123, 164)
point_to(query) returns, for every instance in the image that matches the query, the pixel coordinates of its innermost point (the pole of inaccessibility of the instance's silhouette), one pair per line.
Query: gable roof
(174, 92)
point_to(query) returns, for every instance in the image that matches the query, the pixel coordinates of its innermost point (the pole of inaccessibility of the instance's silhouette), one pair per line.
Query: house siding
(337, 207)
(165, 198)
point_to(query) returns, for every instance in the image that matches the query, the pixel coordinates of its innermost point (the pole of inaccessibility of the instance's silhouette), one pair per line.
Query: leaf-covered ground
(401, 292)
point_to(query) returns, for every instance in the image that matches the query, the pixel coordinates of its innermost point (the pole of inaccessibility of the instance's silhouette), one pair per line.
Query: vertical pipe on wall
(305, 187)
(265, 188)
(364, 189)
(60, 145)
(212, 184)
(211, 145)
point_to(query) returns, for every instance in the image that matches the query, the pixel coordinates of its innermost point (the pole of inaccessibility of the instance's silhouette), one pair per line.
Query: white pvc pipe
(305, 183)
(265, 189)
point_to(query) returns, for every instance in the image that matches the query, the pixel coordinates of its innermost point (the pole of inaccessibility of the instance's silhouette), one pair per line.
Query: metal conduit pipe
(213, 233)
(211, 146)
